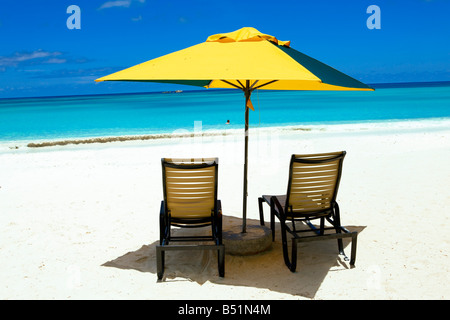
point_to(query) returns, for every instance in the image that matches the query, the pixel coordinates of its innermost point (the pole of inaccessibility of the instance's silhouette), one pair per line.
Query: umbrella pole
(247, 93)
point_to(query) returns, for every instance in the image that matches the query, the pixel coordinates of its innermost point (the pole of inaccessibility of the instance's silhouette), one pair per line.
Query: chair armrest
(219, 208)
(162, 211)
(277, 207)
(163, 224)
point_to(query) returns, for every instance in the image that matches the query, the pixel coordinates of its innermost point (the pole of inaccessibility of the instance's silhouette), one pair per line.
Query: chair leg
(164, 235)
(353, 253)
(261, 213)
(291, 265)
(272, 222)
(337, 225)
(221, 260)
(272, 216)
(322, 226)
(219, 231)
(159, 262)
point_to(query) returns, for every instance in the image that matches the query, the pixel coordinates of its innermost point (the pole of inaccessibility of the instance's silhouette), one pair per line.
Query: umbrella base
(257, 239)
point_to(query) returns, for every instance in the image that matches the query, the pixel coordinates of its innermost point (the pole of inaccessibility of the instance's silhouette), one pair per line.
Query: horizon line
(379, 85)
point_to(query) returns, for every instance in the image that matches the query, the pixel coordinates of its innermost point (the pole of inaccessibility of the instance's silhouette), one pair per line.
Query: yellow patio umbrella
(245, 59)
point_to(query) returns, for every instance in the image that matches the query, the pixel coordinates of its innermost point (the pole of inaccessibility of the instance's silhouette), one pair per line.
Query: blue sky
(41, 56)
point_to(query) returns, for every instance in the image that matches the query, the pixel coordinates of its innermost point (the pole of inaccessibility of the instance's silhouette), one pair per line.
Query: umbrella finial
(245, 34)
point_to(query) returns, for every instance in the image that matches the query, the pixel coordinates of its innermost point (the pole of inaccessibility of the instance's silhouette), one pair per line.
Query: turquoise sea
(78, 117)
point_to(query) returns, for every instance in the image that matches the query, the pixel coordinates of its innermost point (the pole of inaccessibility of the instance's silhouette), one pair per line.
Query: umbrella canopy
(228, 60)
(245, 59)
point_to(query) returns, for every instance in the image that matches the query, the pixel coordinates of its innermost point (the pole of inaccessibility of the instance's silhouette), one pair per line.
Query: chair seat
(311, 214)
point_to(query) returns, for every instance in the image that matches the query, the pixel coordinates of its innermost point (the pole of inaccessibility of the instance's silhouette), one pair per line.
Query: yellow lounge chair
(311, 194)
(190, 201)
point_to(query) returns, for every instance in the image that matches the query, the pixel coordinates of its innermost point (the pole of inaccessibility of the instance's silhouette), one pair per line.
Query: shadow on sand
(264, 270)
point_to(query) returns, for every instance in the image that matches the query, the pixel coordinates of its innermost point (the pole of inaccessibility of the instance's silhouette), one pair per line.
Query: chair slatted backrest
(313, 182)
(190, 187)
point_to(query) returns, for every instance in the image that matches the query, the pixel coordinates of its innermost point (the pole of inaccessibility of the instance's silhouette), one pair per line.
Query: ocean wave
(119, 139)
(357, 127)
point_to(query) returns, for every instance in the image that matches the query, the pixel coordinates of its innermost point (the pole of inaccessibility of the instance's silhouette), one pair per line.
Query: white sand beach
(81, 221)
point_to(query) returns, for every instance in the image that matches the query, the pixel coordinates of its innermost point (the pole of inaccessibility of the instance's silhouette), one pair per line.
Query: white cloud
(19, 60)
(20, 57)
(56, 61)
(118, 3)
